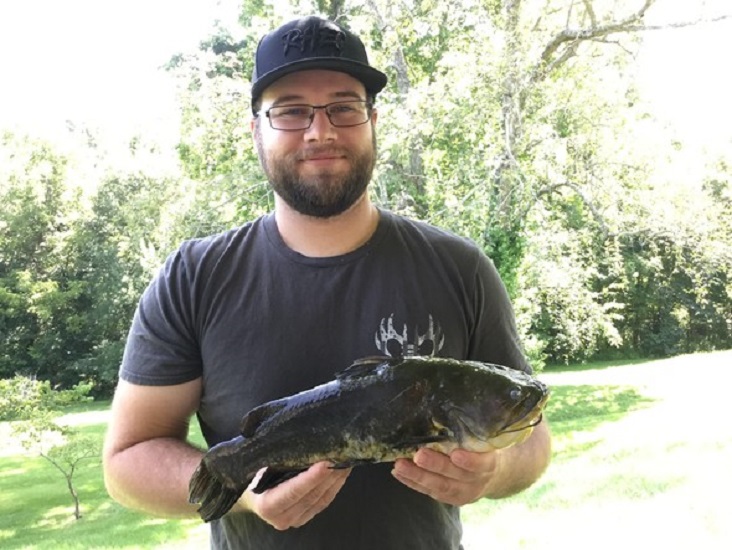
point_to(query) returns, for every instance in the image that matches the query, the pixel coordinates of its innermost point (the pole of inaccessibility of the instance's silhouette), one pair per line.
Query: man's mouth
(321, 156)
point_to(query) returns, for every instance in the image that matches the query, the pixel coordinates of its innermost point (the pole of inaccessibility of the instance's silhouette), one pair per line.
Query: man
(282, 303)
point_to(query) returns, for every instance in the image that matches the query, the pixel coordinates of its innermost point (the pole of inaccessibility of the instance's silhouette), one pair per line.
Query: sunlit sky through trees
(98, 64)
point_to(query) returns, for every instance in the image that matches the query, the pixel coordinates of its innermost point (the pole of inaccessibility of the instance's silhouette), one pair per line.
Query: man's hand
(460, 478)
(464, 477)
(297, 500)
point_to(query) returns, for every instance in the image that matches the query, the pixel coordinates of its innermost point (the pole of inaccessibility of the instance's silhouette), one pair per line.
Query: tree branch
(596, 214)
(678, 24)
(590, 12)
(570, 38)
(400, 63)
(595, 31)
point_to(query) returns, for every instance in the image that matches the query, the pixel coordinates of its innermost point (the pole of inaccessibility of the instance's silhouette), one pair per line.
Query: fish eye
(515, 393)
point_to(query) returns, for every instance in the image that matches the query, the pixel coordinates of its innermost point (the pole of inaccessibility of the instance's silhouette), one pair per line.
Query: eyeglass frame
(368, 103)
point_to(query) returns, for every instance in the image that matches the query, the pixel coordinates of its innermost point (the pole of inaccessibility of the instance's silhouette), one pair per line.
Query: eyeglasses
(342, 114)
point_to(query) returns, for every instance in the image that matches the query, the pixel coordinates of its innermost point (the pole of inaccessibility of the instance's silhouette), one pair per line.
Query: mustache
(316, 152)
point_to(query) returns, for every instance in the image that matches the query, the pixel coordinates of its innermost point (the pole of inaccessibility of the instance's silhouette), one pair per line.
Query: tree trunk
(332, 9)
(508, 175)
(414, 175)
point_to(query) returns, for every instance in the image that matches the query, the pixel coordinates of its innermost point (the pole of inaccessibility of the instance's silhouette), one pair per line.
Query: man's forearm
(519, 466)
(153, 476)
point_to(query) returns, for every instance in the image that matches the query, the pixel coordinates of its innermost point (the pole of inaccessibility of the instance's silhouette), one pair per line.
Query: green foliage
(32, 216)
(22, 398)
(677, 298)
(19, 396)
(537, 148)
(568, 302)
(99, 367)
(73, 262)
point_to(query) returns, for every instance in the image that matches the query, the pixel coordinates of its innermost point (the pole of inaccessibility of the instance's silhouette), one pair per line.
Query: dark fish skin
(378, 410)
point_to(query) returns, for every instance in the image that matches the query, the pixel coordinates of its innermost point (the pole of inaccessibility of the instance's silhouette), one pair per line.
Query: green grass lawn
(642, 458)
(36, 510)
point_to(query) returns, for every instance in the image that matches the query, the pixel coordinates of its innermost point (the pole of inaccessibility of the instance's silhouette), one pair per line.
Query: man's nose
(321, 129)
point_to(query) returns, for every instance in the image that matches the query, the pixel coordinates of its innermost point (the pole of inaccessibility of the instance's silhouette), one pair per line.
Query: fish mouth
(523, 424)
(526, 422)
(530, 420)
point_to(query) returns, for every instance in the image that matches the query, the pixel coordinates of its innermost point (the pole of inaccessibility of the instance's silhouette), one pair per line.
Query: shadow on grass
(595, 365)
(574, 413)
(583, 408)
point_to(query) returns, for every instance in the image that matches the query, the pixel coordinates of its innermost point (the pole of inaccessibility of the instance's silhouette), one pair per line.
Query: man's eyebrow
(292, 98)
(348, 94)
(287, 99)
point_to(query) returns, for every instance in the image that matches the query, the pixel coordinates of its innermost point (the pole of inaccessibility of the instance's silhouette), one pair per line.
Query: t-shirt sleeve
(162, 348)
(495, 338)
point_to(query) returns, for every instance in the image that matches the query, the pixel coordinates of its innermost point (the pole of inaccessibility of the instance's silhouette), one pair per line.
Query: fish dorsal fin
(254, 418)
(366, 366)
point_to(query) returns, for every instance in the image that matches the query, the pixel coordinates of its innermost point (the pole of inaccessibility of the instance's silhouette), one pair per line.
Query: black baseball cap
(312, 43)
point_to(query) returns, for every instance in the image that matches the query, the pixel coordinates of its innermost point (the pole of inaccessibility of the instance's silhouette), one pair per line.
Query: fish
(377, 410)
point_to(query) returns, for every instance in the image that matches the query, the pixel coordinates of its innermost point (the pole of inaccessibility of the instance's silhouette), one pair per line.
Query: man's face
(324, 170)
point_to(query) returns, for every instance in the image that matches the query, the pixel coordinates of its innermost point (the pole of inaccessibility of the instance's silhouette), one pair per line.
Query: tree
(79, 242)
(111, 255)
(33, 218)
(33, 405)
(514, 123)
(511, 122)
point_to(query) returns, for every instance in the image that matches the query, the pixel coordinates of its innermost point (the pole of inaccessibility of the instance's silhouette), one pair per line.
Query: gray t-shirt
(258, 321)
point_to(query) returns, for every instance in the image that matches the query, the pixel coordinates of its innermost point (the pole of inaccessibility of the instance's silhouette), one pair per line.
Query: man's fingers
(318, 500)
(297, 500)
(425, 481)
(460, 465)
(476, 463)
(438, 463)
(317, 481)
(456, 479)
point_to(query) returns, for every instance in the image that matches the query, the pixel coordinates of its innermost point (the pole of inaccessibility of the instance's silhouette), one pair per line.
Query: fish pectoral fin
(421, 432)
(351, 463)
(254, 418)
(272, 478)
(422, 440)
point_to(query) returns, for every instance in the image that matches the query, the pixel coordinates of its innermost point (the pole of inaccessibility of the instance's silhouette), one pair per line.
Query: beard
(321, 195)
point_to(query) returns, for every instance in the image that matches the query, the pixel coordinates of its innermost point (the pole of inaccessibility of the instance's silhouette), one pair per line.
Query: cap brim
(372, 79)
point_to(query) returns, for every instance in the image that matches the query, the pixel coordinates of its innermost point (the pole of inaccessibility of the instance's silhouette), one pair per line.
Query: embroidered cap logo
(314, 38)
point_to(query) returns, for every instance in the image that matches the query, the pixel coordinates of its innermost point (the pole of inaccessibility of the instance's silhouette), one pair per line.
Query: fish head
(499, 407)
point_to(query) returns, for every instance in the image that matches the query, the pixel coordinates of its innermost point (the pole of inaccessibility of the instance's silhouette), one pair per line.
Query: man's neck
(327, 237)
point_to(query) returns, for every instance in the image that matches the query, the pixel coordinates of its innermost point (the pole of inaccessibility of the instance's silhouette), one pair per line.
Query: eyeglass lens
(300, 117)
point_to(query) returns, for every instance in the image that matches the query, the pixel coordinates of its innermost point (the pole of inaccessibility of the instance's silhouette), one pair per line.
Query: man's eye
(342, 108)
(292, 112)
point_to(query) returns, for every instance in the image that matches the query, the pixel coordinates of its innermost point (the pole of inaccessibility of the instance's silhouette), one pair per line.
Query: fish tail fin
(214, 497)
